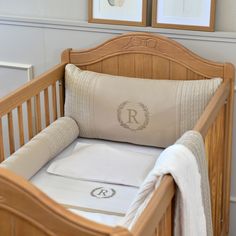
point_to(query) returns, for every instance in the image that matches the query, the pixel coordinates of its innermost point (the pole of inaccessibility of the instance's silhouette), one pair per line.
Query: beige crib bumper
(27, 160)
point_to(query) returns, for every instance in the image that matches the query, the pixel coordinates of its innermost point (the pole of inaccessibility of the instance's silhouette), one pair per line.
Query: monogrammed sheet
(94, 200)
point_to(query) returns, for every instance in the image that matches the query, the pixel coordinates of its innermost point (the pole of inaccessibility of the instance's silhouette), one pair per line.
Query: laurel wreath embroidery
(93, 193)
(146, 114)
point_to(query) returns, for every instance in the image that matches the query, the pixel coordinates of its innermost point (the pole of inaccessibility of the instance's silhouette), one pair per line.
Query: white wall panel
(11, 79)
(21, 8)
(58, 9)
(23, 45)
(225, 15)
(64, 9)
(68, 39)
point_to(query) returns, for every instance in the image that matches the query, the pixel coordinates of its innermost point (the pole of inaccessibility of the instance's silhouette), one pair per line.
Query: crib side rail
(25, 210)
(23, 107)
(215, 125)
(157, 217)
(213, 108)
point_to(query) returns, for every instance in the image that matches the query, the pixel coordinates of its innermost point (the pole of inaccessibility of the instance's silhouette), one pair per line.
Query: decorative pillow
(27, 160)
(140, 111)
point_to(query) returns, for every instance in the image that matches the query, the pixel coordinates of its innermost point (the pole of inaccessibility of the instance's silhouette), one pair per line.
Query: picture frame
(184, 14)
(119, 12)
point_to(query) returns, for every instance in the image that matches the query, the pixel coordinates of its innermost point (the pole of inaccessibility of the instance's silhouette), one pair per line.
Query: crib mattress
(100, 202)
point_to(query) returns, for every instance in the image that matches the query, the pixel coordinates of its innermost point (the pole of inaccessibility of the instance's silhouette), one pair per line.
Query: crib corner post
(229, 74)
(65, 56)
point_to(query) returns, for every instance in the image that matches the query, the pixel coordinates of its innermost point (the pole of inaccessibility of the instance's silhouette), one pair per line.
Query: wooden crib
(25, 210)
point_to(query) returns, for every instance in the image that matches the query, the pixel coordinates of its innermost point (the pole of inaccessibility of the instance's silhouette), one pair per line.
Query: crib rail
(215, 124)
(35, 99)
(213, 108)
(34, 213)
(156, 219)
(212, 126)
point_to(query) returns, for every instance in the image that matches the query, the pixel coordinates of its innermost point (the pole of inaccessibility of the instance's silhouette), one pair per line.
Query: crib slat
(161, 228)
(46, 107)
(1, 143)
(110, 66)
(54, 101)
(143, 66)
(29, 119)
(21, 126)
(168, 221)
(38, 113)
(11, 133)
(126, 65)
(160, 68)
(62, 97)
(177, 71)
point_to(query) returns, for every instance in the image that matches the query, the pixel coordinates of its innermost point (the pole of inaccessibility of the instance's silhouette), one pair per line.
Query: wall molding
(218, 36)
(20, 66)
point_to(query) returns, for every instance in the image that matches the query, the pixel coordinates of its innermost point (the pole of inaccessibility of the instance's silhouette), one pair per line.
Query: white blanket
(180, 162)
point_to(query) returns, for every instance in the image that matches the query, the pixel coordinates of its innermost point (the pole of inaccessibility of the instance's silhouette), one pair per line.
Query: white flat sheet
(105, 164)
(101, 202)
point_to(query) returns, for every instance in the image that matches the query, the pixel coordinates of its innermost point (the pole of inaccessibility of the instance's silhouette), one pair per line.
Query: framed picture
(121, 12)
(184, 14)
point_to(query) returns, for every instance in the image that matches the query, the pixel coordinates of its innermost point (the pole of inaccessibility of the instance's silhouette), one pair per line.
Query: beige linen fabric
(27, 160)
(140, 111)
(194, 142)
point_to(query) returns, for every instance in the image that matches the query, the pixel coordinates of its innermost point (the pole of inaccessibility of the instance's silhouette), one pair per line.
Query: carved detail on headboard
(148, 42)
(150, 45)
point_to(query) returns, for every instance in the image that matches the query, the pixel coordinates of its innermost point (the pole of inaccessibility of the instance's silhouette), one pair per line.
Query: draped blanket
(186, 162)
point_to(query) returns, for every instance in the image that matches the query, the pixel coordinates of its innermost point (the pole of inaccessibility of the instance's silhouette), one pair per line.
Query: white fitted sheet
(76, 195)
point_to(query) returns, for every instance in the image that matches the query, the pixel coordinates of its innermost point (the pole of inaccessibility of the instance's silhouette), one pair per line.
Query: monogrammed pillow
(140, 111)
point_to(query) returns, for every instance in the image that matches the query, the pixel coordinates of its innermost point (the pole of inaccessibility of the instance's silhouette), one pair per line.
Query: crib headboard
(146, 56)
